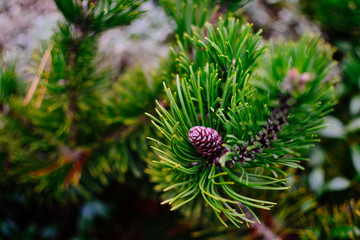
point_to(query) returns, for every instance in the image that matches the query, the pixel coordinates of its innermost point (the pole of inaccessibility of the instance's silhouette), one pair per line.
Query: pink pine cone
(207, 141)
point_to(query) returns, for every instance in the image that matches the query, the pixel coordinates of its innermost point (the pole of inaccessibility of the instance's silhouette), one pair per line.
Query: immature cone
(207, 141)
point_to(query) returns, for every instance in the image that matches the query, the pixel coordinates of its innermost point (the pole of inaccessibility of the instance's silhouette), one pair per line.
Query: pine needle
(36, 80)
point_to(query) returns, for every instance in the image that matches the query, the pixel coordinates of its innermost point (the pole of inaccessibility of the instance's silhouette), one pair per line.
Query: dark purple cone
(207, 141)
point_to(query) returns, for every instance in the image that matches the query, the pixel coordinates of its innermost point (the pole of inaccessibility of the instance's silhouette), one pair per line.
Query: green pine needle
(231, 83)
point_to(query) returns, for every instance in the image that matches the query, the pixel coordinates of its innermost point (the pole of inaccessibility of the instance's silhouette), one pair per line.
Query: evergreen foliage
(351, 65)
(9, 84)
(257, 104)
(236, 84)
(335, 169)
(76, 127)
(190, 13)
(338, 18)
(97, 16)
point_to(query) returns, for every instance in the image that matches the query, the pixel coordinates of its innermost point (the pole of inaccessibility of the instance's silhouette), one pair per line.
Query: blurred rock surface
(26, 23)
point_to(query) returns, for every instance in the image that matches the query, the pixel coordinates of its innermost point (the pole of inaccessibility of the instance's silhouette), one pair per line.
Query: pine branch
(68, 149)
(258, 229)
(71, 113)
(221, 11)
(237, 110)
(99, 16)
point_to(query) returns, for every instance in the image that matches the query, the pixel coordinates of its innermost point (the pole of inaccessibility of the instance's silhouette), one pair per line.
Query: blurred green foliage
(338, 18)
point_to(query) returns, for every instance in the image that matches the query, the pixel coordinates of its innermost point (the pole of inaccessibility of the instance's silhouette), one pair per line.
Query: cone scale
(207, 141)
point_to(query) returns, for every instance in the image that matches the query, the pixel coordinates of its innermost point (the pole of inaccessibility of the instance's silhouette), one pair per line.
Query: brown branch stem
(74, 91)
(258, 229)
(71, 113)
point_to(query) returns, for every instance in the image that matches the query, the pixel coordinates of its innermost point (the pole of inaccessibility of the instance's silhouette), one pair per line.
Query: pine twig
(258, 229)
(71, 112)
(221, 10)
(78, 159)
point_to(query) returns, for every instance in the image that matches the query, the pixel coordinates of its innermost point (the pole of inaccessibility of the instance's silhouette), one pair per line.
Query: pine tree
(241, 113)
(75, 127)
(230, 134)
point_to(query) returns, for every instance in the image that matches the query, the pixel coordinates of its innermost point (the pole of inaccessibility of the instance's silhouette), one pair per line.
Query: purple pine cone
(207, 141)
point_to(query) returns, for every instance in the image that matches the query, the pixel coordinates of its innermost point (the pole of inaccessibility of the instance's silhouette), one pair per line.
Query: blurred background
(324, 202)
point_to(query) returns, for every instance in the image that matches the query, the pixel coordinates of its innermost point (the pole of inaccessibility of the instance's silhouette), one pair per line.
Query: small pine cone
(207, 141)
